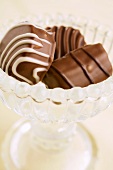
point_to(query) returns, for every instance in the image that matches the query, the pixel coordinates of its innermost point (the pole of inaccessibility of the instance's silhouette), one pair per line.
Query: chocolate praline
(26, 52)
(67, 39)
(81, 67)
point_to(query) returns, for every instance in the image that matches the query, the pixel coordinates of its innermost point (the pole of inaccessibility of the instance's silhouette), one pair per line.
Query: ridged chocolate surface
(26, 52)
(81, 67)
(67, 39)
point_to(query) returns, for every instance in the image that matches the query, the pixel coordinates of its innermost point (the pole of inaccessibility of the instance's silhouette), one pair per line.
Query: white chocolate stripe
(35, 71)
(18, 44)
(28, 50)
(32, 35)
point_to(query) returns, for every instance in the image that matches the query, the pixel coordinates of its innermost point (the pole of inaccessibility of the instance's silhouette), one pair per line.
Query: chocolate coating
(67, 39)
(81, 67)
(26, 52)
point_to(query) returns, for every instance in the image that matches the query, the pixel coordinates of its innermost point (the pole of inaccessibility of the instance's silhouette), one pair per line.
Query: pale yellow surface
(101, 126)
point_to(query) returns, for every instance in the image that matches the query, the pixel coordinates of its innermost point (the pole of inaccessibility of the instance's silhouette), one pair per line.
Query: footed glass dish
(51, 136)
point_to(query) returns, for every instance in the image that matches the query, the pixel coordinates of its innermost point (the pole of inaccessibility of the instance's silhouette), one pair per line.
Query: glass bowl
(52, 117)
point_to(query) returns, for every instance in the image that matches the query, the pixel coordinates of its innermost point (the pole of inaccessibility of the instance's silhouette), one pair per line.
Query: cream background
(101, 126)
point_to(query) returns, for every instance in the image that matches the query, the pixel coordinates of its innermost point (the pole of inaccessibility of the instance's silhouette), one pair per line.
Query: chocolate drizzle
(96, 61)
(59, 42)
(80, 67)
(63, 77)
(67, 39)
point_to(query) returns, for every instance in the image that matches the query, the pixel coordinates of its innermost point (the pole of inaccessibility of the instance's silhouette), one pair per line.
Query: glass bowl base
(19, 152)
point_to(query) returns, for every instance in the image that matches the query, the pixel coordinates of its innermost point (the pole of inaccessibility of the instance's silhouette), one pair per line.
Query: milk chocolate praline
(67, 39)
(81, 67)
(26, 52)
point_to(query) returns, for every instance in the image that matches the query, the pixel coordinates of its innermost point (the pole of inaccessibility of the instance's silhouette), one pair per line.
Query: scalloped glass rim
(94, 91)
(76, 94)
